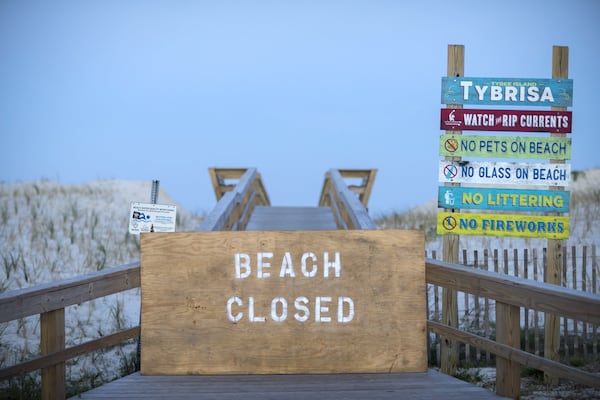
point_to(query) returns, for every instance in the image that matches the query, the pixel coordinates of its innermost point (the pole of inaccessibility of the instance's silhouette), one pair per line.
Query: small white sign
(504, 173)
(148, 217)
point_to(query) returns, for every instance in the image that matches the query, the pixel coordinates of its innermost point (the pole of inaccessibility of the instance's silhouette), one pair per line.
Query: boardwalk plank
(291, 218)
(429, 385)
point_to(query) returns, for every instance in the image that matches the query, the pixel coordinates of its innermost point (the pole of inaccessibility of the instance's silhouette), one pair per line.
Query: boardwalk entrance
(290, 291)
(378, 277)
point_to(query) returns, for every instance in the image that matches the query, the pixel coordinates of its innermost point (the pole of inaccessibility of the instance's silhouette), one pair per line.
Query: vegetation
(51, 232)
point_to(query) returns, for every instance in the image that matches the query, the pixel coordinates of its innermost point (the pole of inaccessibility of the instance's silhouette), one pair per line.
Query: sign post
(551, 176)
(553, 273)
(449, 347)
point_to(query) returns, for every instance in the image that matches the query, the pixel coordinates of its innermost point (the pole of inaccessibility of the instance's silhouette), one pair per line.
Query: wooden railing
(49, 301)
(348, 202)
(512, 293)
(235, 201)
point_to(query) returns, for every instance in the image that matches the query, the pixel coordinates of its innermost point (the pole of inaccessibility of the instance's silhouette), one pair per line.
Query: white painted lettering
(284, 309)
(547, 95)
(350, 315)
(251, 316)
(480, 91)
(321, 308)
(242, 260)
(239, 315)
(466, 85)
(303, 312)
(313, 271)
(286, 266)
(261, 264)
(336, 265)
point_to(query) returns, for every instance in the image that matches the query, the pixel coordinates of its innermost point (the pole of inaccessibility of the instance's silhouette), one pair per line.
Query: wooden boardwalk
(291, 219)
(429, 385)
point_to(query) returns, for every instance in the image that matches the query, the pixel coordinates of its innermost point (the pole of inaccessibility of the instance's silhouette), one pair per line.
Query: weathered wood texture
(519, 356)
(580, 272)
(426, 385)
(515, 291)
(225, 180)
(52, 328)
(291, 219)
(511, 291)
(236, 204)
(348, 210)
(554, 272)
(449, 347)
(202, 316)
(362, 189)
(58, 295)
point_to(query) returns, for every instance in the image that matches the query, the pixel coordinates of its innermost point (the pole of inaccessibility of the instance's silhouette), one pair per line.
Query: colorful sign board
(547, 148)
(148, 217)
(283, 302)
(549, 227)
(501, 199)
(504, 173)
(463, 119)
(508, 91)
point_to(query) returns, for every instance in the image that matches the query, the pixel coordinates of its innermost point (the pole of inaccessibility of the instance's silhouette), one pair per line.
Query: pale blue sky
(142, 90)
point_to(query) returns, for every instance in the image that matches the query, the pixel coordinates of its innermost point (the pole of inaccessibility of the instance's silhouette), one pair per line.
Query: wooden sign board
(508, 91)
(545, 148)
(549, 227)
(501, 199)
(464, 119)
(283, 302)
(504, 173)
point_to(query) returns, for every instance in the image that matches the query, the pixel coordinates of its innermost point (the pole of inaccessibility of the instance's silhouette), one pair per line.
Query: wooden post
(508, 372)
(449, 347)
(554, 268)
(52, 327)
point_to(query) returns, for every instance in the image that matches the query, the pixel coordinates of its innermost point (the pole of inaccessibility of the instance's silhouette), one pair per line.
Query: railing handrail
(521, 292)
(347, 208)
(235, 206)
(57, 295)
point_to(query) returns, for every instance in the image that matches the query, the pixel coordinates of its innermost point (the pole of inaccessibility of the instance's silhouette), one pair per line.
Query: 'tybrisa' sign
(508, 91)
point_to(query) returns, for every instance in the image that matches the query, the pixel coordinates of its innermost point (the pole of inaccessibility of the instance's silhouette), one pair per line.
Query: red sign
(463, 119)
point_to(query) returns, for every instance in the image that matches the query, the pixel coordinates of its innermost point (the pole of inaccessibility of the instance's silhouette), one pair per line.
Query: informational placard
(463, 119)
(504, 173)
(283, 302)
(502, 199)
(550, 227)
(530, 147)
(508, 91)
(148, 217)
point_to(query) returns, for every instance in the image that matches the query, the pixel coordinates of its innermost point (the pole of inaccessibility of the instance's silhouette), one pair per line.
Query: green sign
(549, 148)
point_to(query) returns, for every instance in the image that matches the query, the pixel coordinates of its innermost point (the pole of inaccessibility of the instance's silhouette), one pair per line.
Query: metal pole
(154, 192)
(153, 200)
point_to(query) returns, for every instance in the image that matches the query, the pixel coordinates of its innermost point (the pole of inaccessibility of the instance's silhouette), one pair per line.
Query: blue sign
(507, 91)
(473, 198)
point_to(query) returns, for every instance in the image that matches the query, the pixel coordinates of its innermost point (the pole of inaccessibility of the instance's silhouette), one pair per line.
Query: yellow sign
(550, 227)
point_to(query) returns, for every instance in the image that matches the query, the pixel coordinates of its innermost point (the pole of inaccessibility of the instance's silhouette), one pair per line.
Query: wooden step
(291, 219)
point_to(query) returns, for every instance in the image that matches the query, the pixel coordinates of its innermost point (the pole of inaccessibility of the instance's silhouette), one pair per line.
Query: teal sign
(452, 197)
(507, 91)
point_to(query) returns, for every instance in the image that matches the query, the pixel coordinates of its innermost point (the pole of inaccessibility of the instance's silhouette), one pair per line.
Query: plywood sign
(283, 302)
